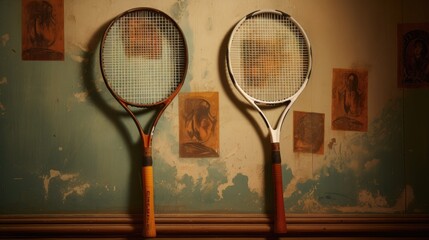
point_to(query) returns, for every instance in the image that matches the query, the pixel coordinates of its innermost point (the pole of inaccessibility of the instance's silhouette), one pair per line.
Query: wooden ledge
(209, 225)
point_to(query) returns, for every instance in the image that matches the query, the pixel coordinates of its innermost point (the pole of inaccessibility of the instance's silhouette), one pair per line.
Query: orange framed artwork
(199, 125)
(349, 100)
(42, 30)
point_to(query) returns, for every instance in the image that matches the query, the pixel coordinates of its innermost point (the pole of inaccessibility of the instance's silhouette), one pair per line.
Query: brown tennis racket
(144, 61)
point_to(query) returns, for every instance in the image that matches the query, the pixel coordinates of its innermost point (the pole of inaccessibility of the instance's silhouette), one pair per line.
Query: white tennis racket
(269, 62)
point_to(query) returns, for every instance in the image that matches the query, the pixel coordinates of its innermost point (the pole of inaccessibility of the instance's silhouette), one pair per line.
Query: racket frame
(149, 226)
(274, 131)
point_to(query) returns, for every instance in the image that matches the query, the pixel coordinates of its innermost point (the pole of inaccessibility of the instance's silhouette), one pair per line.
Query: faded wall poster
(349, 100)
(199, 124)
(308, 132)
(413, 55)
(42, 30)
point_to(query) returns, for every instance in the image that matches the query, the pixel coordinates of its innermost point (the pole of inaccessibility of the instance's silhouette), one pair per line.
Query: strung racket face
(143, 57)
(269, 57)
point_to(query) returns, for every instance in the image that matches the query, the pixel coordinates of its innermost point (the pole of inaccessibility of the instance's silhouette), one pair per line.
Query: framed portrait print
(199, 124)
(349, 100)
(413, 55)
(42, 30)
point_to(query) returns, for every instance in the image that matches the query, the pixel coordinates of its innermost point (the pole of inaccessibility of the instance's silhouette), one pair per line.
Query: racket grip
(279, 210)
(149, 229)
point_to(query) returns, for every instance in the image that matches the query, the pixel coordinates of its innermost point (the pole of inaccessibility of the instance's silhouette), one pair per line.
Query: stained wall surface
(66, 146)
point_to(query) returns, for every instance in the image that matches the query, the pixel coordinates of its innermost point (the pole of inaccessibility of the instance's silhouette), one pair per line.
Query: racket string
(269, 57)
(144, 57)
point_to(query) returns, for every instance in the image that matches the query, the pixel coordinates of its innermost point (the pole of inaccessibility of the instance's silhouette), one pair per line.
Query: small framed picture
(413, 55)
(308, 132)
(43, 30)
(349, 100)
(199, 125)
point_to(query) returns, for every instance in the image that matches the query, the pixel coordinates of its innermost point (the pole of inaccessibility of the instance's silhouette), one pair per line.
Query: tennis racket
(269, 62)
(144, 59)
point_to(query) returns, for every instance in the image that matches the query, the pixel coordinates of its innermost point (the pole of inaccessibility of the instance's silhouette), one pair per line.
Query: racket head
(143, 57)
(269, 57)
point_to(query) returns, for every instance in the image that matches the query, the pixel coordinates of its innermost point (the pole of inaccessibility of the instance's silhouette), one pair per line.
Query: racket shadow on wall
(269, 62)
(144, 59)
(115, 114)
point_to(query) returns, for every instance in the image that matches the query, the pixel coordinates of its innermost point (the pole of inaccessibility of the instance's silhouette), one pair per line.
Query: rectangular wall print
(308, 132)
(199, 125)
(349, 100)
(42, 30)
(413, 55)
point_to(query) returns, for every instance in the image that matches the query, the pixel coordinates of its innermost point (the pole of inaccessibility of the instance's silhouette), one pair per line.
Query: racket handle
(279, 209)
(149, 229)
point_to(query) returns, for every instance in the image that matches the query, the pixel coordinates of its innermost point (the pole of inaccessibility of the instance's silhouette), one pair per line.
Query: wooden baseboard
(209, 225)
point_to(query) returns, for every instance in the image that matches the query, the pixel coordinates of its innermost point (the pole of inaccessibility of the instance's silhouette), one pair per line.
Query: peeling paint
(79, 190)
(370, 203)
(312, 205)
(227, 158)
(3, 81)
(56, 174)
(4, 39)
(369, 200)
(110, 188)
(68, 177)
(291, 187)
(76, 52)
(372, 164)
(81, 96)
(180, 8)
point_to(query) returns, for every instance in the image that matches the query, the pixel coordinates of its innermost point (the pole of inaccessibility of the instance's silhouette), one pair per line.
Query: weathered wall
(66, 146)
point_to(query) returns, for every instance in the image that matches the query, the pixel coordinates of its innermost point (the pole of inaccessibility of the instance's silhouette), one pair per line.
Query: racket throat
(274, 135)
(275, 131)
